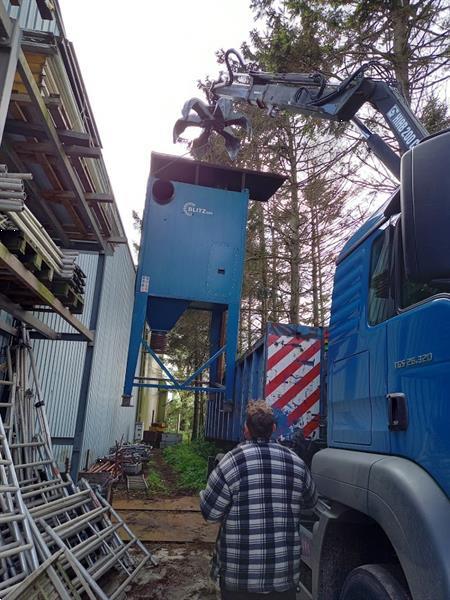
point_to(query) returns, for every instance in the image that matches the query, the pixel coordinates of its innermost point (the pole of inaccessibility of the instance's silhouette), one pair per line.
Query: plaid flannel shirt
(256, 493)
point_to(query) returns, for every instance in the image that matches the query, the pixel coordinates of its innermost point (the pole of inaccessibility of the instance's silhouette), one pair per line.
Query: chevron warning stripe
(293, 380)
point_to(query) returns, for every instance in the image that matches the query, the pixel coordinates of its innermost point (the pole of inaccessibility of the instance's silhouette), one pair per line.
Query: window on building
(380, 304)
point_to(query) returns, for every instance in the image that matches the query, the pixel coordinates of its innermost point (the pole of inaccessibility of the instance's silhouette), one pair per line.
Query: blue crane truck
(382, 527)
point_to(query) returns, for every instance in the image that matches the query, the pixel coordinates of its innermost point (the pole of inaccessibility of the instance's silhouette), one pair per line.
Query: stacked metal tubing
(38, 237)
(42, 512)
(12, 190)
(18, 217)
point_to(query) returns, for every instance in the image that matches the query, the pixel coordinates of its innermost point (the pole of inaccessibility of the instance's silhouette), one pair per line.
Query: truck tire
(373, 582)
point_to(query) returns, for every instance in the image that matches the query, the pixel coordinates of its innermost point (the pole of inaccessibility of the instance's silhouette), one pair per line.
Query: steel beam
(8, 65)
(118, 240)
(47, 148)
(25, 128)
(62, 441)
(6, 26)
(25, 99)
(27, 279)
(173, 388)
(205, 365)
(27, 317)
(90, 196)
(87, 371)
(50, 130)
(107, 198)
(62, 337)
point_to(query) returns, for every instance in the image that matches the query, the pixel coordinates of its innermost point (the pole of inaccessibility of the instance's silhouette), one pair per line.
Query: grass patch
(190, 462)
(155, 484)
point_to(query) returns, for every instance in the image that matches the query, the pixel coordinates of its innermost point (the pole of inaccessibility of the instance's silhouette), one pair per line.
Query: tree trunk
(195, 420)
(249, 320)
(314, 266)
(294, 237)
(402, 52)
(262, 264)
(274, 282)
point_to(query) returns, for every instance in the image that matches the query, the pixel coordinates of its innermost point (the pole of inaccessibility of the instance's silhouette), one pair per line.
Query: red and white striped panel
(293, 380)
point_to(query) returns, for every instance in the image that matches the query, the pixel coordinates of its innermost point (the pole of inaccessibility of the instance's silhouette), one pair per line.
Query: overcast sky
(140, 61)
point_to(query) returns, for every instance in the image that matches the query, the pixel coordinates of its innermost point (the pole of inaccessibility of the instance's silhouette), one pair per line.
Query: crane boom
(310, 95)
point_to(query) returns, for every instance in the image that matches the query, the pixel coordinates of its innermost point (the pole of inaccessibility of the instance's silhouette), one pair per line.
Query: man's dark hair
(260, 419)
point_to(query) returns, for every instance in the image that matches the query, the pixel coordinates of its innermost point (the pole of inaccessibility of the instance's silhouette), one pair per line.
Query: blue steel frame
(228, 303)
(178, 385)
(192, 257)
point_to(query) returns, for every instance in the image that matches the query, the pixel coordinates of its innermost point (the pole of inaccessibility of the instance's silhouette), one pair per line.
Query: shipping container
(284, 368)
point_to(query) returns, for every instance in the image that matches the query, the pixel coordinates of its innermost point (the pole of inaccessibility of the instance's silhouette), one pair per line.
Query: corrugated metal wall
(60, 364)
(29, 17)
(106, 420)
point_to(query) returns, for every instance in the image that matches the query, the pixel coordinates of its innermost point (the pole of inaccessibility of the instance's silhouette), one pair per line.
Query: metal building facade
(30, 18)
(106, 419)
(60, 363)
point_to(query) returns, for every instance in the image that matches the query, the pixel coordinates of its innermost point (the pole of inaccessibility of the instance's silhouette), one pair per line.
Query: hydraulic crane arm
(306, 94)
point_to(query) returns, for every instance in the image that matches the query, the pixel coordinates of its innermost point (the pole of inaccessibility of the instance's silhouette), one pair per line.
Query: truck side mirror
(425, 207)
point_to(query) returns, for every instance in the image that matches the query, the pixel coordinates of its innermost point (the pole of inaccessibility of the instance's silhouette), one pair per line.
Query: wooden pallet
(69, 292)
(19, 244)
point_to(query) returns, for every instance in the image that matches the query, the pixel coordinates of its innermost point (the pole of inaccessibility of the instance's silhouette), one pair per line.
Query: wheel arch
(375, 495)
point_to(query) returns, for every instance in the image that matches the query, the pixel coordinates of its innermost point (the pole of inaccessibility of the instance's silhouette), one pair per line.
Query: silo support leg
(137, 327)
(215, 342)
(231, 352)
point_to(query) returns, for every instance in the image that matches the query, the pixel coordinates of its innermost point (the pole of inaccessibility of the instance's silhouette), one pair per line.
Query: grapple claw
(219, 117)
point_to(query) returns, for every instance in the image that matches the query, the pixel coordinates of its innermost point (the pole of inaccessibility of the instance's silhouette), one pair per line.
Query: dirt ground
(171, 526)
(182, 574)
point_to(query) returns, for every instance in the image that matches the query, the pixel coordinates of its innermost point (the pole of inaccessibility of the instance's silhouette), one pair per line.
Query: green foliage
(156, 485)
(190, 462)
(188, 349)
(435, 114)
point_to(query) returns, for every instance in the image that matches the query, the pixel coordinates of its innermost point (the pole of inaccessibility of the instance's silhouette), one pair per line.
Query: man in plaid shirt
(256, 492)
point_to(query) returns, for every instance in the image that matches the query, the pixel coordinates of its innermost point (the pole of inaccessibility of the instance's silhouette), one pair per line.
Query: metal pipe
(70, 528)
(26, 176)
(92, 543)
(125, 526)
(81, 572)
(14, 185)
(60, 505)
(14, 480)
(6, 180)
(41, 244)
(18, 195)
(13, 549)
(11, 205)
(127, 581)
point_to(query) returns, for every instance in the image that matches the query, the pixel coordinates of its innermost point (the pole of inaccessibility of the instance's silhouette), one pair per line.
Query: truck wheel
(373, 582)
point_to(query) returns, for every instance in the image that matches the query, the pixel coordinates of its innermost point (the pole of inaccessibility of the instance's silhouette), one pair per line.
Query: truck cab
(385, 476)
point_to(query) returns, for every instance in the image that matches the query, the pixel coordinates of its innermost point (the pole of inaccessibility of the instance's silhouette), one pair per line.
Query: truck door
(419, 376)
(380, 308)
(362, 305)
